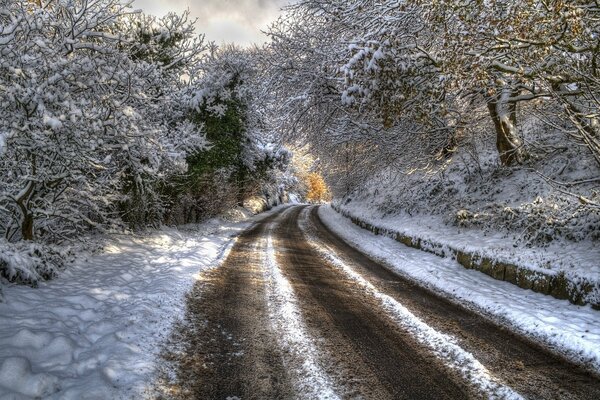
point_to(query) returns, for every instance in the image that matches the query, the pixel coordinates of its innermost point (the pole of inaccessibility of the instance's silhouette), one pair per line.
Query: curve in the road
(361, 338)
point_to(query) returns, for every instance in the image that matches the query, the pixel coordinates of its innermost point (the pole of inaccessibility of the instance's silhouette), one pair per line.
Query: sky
(222, 21)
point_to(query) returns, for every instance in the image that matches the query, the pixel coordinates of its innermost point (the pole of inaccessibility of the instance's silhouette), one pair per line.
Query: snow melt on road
(442, 345)
(95, 332)
(572, 330)
(286, 319)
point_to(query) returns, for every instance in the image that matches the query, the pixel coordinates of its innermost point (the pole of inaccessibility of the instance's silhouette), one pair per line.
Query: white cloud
(239, 21)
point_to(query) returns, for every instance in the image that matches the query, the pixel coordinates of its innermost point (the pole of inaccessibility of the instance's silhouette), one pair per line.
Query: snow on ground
(569, 329)
(575, 259)
(442, 345)
(95, 331)
(286, 319)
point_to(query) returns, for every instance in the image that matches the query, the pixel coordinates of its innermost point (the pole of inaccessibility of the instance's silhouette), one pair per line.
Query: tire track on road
(381, 360)
(228, 349)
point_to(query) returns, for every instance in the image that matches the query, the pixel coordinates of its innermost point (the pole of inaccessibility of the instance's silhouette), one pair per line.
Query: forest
(114, 120)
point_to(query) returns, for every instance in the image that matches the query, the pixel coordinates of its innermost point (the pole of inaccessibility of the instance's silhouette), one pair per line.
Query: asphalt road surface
(278, 320)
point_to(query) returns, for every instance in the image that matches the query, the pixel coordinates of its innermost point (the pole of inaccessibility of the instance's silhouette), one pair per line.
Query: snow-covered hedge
(29, 262)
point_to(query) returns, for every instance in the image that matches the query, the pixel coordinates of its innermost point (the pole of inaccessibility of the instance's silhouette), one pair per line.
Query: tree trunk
(504, 114)
(27, 227)
(22, 201)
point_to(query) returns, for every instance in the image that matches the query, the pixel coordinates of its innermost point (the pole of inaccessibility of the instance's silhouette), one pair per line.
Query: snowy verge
(95, 331)
(565, 270)
(571, 330)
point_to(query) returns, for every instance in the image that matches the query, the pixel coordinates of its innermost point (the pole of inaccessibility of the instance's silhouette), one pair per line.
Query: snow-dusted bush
(30, 262)
(88, 120)
(226, 98)
(538, 222)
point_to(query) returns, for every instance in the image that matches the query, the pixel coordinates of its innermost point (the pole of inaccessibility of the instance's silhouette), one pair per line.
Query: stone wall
(557, 285)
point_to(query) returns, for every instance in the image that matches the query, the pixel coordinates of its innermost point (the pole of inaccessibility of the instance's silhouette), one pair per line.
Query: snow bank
(569, 329)
(95, 331)
(577, 260)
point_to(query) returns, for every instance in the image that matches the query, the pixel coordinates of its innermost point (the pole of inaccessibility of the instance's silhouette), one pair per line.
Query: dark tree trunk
(23, 203)
(504, 114)
(27, 227)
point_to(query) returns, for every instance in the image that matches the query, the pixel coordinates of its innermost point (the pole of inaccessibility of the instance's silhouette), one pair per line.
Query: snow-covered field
(95, 331)
(569, 329)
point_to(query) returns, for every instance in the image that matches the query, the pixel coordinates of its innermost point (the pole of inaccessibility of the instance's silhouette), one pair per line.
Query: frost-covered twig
(558, 186)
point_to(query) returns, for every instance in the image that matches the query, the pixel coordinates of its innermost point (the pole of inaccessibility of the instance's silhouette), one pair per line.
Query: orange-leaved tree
(317, 188)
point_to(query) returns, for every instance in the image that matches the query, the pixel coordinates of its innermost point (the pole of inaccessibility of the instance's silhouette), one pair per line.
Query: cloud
(238, 21)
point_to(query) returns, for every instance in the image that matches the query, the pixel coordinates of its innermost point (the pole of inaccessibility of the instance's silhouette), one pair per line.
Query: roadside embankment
(577, 289)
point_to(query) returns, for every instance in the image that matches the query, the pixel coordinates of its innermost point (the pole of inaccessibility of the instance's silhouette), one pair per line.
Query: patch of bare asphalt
(525, 366)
